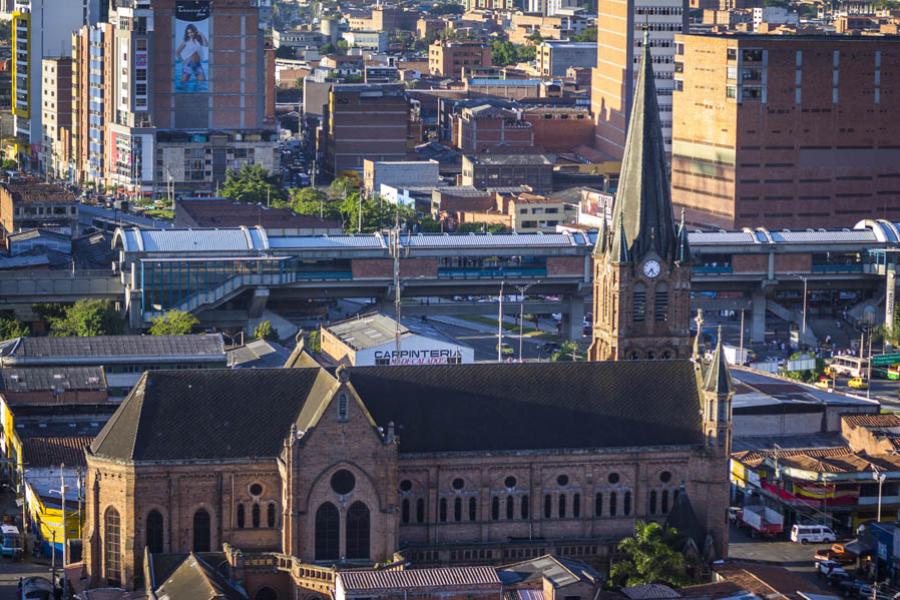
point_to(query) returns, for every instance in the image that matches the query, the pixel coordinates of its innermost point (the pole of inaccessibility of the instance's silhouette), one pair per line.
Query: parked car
(837, 553)
(36, 588)
(858, 383)
(816, 534)
(829, 568)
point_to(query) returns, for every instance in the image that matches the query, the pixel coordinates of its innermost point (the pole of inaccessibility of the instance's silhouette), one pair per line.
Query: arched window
(442, 510)
(510, 507)
(420, 510)
(548, 506)
(562, 506)
(523, 508)
(342, 407)
(495, 508)
(613, 504)
(254, 515)
(155, 532)
(328, 527)
(598, 505)
(457, 509)
(576, 506)
(358, 531)
(652, 507)
(661, 303)
(240, 516)
(627, 508)
(202, 531)
(270, 515)
(266, 593)
(404, 511)
(664, 501)
(473, 509)
(112, 551)
(639, 302)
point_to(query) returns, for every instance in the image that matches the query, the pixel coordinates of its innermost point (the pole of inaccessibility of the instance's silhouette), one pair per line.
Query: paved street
(10, 572)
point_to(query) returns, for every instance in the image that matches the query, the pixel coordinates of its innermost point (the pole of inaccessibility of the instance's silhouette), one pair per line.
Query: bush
(174, 322)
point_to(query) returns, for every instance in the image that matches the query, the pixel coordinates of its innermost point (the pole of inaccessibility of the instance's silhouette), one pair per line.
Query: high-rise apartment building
(786, 131)
(174, 92)
(448, 58)
(40, 29)
(56, 115)
(619, 36)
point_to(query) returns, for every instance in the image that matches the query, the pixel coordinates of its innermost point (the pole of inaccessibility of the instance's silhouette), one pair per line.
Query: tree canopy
(87, 318)
(588, 35)
(568, 352)
(649, 556)
(11, 327)
(265, 331)
(174, 322)
(252, 183)
(504, 52)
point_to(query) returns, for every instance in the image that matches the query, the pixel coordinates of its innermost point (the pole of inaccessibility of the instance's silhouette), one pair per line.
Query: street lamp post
(522, 289)
(804, 306)
(879, 477)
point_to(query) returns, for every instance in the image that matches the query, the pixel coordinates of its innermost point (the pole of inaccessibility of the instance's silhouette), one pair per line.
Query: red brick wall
(750, 263)
(793, 263)
(565, 265)
(560, 135)
(372, 268)
(418, 267)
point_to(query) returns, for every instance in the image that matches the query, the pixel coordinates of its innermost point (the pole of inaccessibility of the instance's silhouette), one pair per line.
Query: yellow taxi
(823, 384)
(858, 383)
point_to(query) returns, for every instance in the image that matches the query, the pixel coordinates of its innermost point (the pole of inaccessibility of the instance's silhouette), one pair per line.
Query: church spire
(643, 208)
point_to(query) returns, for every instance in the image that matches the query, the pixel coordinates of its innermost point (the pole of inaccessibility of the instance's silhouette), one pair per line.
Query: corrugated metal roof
(720, 237)
(327, 242)
(850, 235)
(26, 350)
(505, 82)
(490, 240)
(194, 240)
(441, 578)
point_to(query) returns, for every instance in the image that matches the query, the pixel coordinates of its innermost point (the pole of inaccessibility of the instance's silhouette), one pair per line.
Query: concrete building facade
(786, 131)
(447, 58)
(555, 57)
(56, 117)
(619, 26)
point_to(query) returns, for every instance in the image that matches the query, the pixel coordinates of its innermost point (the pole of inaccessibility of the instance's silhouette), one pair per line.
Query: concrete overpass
(243, 270)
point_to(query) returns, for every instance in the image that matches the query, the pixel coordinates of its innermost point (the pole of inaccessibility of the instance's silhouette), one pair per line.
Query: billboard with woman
(192, 46)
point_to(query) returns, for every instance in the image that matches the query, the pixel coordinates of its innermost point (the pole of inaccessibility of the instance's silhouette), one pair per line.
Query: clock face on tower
(651, 269)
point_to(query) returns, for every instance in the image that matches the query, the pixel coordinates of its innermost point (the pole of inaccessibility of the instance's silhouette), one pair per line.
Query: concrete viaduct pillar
(758, 316)
(573, 318)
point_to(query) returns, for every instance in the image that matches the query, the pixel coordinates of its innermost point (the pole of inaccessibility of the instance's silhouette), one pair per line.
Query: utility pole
(395, 250)
(804, 306)
(65, 553)
(869, 368)
(741, 344)
(500, 325)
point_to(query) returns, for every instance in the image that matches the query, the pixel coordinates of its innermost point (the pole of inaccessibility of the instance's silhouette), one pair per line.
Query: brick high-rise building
(56, 115)
(364, 121)
(786, 131)
(618, 49)
(447, 58)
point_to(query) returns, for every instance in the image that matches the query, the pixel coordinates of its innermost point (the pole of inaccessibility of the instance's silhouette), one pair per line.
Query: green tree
(313, 343)
(252, 183)
(568, 352)
(313, 202)
(265, 331)
(86, 318)
(471, 227)
(285, 52)
(342, 46)
(588, 35)
(327, 49)
(12, 328)
(377, 213)
(9, 165)
(174, 322)
(504, 52)
(341, 186)
(536, 37)
(649, 556)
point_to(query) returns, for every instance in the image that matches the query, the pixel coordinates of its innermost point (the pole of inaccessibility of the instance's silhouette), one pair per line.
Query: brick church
(288, 475)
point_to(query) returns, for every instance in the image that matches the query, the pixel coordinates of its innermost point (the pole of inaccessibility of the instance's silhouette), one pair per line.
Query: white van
(816, 534)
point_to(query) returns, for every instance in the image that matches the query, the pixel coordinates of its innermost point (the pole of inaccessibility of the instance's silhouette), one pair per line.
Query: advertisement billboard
(191, 67)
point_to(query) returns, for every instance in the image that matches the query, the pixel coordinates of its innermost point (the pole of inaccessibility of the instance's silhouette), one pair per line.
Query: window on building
(442, 510)
(473, 509)
(652, 505)
(664, 501)
(639, 302)
(562, 506)
(510, 507)
(404, 511)
(626, 509)
(661, 303)
(457, 509)
(548, 506)
(155, 532)
(357, 539)
(495, 508)
(576, 505)
(420, 510)
(523, 507)
(202, 531)
(342, 407)
(240, 516)
(328, 526)
(613, 502)
(254, 512)
(112, 565)
(270, 515)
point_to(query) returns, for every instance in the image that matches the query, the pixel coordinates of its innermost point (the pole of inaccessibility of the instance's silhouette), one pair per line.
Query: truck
(735, 355)
(762, 520)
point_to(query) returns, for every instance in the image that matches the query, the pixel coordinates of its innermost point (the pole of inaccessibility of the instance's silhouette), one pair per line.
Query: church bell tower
(642, 273)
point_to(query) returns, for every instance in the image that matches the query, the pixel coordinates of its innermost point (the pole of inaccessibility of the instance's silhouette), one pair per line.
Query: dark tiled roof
(35, 379)
(46, 350)
(53, 451)
(483, 407)
(226, 213)
(206, 414)
(440, 579)
(195, 579)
